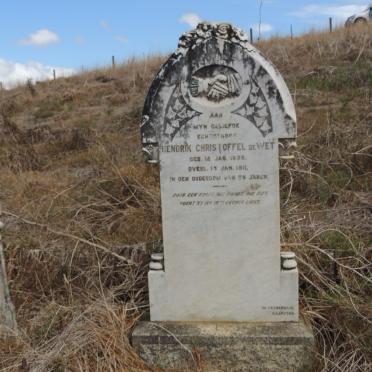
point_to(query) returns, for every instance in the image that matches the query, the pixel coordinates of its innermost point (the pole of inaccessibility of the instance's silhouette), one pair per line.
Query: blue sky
(38, 35)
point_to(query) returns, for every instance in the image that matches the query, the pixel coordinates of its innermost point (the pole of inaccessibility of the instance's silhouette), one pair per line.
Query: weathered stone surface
(8, 324)
(216, 112)
(225, 346)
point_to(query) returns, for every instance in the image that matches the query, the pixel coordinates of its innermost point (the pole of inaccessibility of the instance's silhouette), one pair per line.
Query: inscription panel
(221, 178)
(218, 161)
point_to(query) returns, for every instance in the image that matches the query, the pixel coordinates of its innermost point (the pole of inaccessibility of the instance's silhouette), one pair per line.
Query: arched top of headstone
(216, 68)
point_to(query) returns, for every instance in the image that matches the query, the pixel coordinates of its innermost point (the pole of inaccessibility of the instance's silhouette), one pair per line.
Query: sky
(37, 36)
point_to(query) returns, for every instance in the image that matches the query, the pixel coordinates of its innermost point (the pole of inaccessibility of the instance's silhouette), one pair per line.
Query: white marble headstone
(216, 113)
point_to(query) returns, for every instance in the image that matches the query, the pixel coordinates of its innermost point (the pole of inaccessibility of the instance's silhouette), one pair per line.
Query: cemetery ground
(77, 195)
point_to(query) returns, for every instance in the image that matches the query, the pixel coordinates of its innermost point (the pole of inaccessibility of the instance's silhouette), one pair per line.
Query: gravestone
(214, 118)
(216, 112)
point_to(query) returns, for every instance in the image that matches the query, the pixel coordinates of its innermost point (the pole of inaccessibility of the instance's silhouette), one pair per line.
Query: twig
(175, 337)
(70, 236)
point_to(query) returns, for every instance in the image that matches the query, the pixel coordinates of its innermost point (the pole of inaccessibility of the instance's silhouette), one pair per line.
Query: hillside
(76, 195)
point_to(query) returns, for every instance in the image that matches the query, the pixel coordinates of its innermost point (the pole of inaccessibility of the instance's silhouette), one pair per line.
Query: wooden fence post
(113, 62)
(251, 35)
(330, 24)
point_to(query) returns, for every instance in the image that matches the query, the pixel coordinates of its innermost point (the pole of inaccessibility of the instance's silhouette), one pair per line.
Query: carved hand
(218, 87)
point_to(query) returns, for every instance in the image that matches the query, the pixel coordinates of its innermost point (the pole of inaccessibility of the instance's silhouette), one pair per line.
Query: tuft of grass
(47, 109)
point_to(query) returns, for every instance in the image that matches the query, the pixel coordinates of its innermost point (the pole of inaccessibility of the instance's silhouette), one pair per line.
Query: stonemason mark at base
(187, 346)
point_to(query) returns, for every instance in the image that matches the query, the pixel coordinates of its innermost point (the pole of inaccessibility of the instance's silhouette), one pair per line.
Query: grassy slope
(74, 187)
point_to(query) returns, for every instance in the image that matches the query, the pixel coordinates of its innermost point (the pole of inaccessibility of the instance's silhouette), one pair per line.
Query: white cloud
(192, 19)
(41, 37)
(104, 24)
(13, 73)
(121, 38)
(340, 12)
(265, 27)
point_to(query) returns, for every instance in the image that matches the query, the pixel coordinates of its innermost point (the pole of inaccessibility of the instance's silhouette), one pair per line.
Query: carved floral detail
(205, 30)
(256, 110)
(178, 113)
(223, 30)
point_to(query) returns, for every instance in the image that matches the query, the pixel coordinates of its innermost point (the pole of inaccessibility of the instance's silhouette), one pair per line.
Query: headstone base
(188, 346)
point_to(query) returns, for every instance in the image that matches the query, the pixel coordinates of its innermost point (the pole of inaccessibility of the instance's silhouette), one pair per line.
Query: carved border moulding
(288, 261)
(206, 72)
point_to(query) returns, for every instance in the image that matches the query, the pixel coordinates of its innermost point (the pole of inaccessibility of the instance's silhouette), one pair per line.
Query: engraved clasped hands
(215, 88)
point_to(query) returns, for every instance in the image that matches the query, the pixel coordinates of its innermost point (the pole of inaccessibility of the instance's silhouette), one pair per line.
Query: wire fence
(252, 38)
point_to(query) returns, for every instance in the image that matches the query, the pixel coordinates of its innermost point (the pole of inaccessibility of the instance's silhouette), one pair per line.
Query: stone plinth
(187, 346)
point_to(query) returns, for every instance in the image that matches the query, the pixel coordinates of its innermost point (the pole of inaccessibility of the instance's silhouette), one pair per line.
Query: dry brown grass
(91, 340)
(76, 193)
